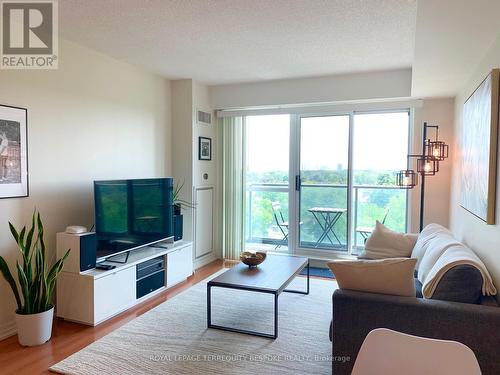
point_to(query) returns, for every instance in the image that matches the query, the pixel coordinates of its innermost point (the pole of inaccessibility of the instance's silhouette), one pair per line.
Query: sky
(324, 142)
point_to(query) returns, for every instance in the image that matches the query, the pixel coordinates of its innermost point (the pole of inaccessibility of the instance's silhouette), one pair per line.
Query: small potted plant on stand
(35, 310)
(179, 204)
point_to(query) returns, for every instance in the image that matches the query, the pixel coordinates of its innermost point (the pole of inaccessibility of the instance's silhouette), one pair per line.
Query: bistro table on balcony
(327, 217)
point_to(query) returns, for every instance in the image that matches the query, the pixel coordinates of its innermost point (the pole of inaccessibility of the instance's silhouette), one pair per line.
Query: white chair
(387, 352)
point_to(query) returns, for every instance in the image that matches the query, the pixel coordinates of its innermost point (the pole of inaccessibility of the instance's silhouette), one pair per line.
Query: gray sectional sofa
(457, 311)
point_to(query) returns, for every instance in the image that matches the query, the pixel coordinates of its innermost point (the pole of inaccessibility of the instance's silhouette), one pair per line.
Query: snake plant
(181, 203)
(36, 280)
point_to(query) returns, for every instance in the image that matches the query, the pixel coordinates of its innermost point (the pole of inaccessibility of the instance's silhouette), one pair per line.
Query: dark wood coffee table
(272, 276)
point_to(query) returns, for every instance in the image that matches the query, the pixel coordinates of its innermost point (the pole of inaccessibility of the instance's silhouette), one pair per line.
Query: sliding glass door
(380, 146)
(323, 185)
(317, 184)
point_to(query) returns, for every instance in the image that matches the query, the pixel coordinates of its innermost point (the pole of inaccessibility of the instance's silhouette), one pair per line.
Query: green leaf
(29, 237)
(38, 260)
(57, 267)
(40, 236)
(43, 293)
(14, 232)
(24, 287)
(51, 279)
(50, 293)
(4, 268)
(21, 236)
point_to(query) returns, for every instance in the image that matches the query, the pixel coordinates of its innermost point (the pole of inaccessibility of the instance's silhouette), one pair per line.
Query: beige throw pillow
(385, 276)
(386, 243)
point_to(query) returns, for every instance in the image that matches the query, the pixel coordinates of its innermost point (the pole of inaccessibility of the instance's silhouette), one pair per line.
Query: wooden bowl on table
(252, 259)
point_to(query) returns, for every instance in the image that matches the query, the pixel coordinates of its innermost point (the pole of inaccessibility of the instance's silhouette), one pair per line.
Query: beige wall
(188, 96)
(484, 239)
(182, 153)
(94, 118)
(434, 111)
(201, 101)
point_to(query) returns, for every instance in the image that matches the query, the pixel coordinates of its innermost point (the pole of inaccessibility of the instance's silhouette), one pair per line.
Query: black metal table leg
(307, 287)
(273, 335)
(276, 294)
(209, 306)
(276, 315)
(308, 276)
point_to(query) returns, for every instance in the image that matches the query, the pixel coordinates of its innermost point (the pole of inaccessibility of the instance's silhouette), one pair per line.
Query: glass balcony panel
(266, 176)
(387, 205)
(317, 229)
(267, 226)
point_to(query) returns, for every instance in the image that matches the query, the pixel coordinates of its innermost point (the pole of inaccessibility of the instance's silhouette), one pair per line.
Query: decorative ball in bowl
(252, 259)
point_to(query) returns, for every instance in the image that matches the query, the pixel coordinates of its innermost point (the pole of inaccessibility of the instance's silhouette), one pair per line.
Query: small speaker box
(177, 227)
(83, 246)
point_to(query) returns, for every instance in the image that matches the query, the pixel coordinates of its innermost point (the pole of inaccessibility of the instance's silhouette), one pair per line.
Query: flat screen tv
(132, 213)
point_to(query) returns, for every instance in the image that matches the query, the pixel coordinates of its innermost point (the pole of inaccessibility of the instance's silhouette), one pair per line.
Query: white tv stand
(93, 296)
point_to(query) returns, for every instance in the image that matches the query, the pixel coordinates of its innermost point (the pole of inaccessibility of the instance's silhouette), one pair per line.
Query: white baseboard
(7, 329)
(204, 260)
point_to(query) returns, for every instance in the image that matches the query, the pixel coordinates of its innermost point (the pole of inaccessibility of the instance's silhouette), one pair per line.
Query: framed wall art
(13, 152)
(204, 148)
(479, 141)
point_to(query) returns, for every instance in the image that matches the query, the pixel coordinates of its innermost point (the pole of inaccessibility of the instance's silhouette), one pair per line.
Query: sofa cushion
(460, 284)
(386, 276)
(386, 243)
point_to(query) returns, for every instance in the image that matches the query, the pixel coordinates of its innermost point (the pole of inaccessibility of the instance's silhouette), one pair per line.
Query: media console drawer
(113, 293)
(179, 265)
(150, 283)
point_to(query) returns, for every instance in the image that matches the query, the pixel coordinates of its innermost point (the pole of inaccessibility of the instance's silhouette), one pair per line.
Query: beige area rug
(173, 337)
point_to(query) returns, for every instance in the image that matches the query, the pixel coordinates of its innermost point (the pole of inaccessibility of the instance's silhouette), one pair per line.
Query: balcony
(369, 203)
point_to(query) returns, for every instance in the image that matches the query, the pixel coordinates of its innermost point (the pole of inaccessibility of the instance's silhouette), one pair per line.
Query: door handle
(297, 182)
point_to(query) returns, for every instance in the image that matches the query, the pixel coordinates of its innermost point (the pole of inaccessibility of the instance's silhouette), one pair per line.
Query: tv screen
(132, 213)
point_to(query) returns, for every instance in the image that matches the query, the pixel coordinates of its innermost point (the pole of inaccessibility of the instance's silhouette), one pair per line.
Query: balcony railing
(370, 203)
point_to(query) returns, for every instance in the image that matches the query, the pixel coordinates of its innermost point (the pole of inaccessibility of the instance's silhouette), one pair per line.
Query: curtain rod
(344, 106)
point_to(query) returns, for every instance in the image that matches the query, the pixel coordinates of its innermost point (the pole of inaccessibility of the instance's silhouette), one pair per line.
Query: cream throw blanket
(456, 256)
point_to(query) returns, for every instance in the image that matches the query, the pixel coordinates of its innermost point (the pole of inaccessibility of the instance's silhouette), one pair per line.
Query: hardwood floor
(68, 338)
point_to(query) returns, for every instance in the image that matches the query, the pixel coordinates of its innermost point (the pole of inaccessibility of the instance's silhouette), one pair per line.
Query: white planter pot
(34, 329)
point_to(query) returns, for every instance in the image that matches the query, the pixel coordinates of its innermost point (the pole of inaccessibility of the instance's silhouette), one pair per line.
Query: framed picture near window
(13, 152)
(204, 148)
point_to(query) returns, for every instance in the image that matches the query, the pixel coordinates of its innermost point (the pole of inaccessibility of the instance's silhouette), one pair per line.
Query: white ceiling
(227, 41)
(452, 36)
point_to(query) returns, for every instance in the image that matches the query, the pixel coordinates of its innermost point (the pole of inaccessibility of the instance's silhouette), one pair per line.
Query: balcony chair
(365, 232)
(281, 223)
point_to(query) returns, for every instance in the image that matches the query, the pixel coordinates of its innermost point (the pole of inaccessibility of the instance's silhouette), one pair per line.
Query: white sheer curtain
(233, 194)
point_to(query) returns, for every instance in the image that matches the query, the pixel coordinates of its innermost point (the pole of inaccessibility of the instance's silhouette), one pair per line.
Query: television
(132, 213)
